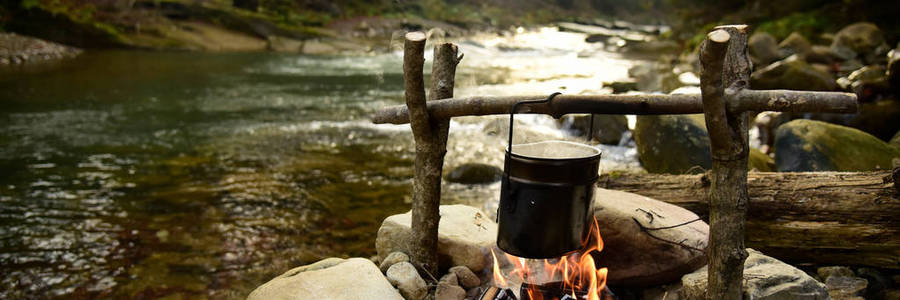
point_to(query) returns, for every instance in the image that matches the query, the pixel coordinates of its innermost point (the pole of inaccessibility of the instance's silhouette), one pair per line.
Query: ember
(574, 276)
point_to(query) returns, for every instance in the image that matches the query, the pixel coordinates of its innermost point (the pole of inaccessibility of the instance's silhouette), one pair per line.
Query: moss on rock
(807, 145)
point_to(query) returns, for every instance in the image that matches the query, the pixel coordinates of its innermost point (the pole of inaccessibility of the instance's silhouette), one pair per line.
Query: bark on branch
(833, 218)
(431, 145)
(725, 65)
(650, 104)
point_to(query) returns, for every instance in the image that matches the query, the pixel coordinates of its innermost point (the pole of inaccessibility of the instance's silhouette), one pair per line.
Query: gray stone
(446, 291)
(636, 258)
(449, 278)
(846, 287)
(466, 277)
(820, 54)
(825, 272)
(405, 277)
(654, 77)
(333, 278)
(391, 259)
(862, 39)
(763, 48)
(608, 129)
(795, 43)
(465, 236)
(808, 145)
(619, 87)
(474, 173)
(765, 278)
(793, 74)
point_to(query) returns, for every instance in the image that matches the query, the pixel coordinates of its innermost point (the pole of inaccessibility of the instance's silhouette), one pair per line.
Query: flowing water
(129, 174)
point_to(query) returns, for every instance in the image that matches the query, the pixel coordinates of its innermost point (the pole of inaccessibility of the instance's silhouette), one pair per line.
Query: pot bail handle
(512, 113)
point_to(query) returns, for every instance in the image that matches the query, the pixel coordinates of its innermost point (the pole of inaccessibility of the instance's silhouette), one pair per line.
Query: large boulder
(765, 278)
(608, 129)
(763, 48)
(679, 144)
(674, 144)
(332, 278)
(862, 40)
(465, 237)
(808, 145)
(792, 74)
(636, 257)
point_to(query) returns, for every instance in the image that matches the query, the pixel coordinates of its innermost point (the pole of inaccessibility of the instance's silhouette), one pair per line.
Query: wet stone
(846, 287)
(392, 259)
(825, 272)
(405, 277)
(466, 277)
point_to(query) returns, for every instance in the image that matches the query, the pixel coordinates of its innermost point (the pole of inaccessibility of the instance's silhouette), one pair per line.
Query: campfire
(574, 276)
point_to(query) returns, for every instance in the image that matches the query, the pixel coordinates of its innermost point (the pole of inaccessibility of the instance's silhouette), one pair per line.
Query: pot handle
(512, 113)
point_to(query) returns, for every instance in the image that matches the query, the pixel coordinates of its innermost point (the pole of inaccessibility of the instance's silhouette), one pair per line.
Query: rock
(766, 123)
(792, 74)
(689, 153)
(807, 145)
(446, 291)
(654, 47)
(761, 162)
(878, 283)
(474, 173)
(636, 258)
(465, 236)
(654, 77)
(608, 129)
(405, 277)
(820, 54)
(825, 272)
(283, 44)
(619, 87)
(893, 69)
(795, 43)
(333, 278)
(765, 278)
(869, 83)
(392, 259)
(449, 278)
(20, 49)
(862, 39)
(763, 48)
(664, 292)
(845, 287)
(659, 152)
(466, 277)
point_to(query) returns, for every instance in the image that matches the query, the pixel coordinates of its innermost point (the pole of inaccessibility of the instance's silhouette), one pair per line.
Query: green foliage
(807, 23)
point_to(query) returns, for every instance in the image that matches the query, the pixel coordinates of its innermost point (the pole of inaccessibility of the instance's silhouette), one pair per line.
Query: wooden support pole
(430, 134)
(725, 65)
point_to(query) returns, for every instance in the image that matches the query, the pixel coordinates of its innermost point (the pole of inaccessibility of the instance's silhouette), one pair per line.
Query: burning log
(845, 218)
(557, 291)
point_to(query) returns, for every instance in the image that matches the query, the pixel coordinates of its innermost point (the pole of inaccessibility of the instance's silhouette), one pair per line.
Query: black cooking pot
(545, 195)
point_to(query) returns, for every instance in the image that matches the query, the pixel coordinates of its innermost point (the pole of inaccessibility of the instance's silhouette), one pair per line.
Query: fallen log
(836, 218)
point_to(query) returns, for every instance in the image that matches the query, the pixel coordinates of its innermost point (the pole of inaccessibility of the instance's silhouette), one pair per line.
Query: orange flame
(577, 271)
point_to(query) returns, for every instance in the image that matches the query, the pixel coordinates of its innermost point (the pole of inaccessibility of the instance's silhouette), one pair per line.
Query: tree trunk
(838, 218)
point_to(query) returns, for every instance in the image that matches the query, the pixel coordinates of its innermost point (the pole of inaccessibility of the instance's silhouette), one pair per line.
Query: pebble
(391, 259)
(466, 277)
(405, 278)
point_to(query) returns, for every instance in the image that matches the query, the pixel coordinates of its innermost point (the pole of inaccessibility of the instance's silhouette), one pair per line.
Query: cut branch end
(415, 36)
(719, 36)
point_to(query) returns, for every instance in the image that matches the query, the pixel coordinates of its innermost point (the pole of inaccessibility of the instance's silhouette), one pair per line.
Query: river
(135, 174)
